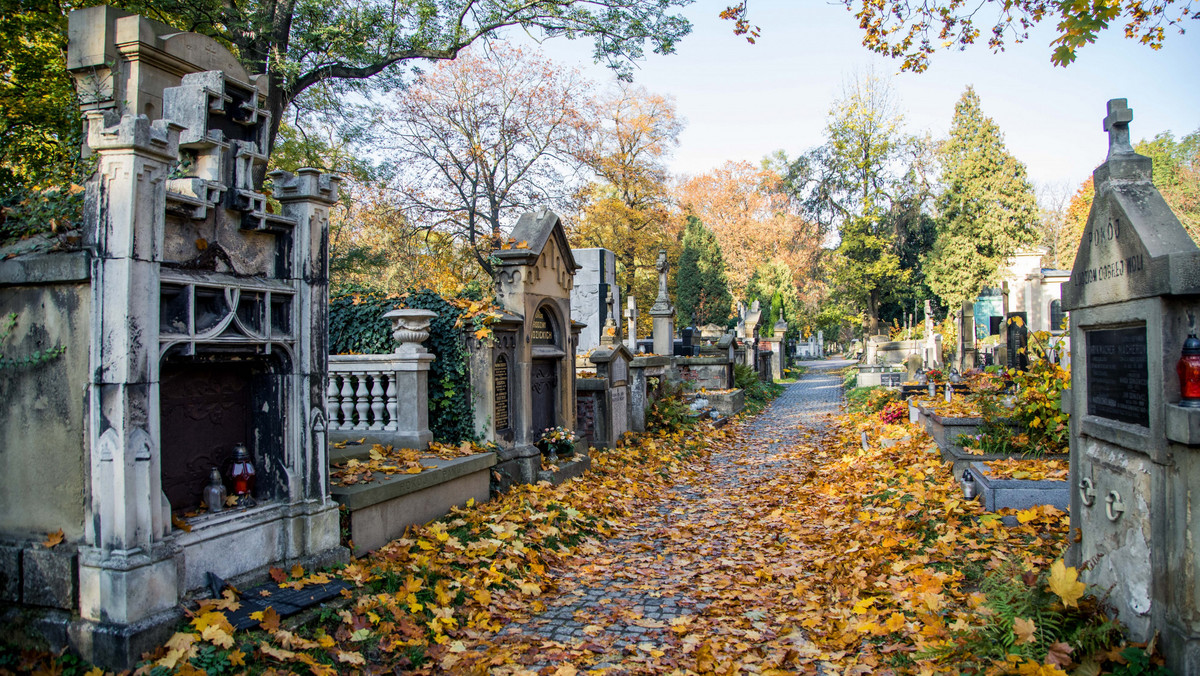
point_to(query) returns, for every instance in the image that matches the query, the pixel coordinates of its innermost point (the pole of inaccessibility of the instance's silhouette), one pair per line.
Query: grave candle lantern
(241, 475)
(1188, 369)
(214, 492)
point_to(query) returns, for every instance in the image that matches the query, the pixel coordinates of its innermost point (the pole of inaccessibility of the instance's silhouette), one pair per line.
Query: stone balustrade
(361, 393)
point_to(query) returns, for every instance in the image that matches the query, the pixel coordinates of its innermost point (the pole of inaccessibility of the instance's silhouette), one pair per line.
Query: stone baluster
(377, 401)
(347, 402)
(391, 401)
(332, 402)
(362, 399)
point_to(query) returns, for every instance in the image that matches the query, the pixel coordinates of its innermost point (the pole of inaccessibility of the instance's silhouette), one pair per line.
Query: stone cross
(631, 317)
(1117, 126)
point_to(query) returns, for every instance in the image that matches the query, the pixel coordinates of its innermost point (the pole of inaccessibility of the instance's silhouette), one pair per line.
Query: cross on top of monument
(1117, 126)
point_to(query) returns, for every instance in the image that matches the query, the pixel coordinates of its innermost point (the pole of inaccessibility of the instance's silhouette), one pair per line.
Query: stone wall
(44, 403)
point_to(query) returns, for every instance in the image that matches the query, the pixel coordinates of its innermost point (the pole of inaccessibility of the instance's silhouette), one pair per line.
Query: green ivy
(357, 326)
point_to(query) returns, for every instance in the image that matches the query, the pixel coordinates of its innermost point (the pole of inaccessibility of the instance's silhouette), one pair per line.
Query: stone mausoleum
(193, 317)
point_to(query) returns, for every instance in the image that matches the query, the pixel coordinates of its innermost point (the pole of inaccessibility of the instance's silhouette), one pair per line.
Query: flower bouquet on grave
(555, 441)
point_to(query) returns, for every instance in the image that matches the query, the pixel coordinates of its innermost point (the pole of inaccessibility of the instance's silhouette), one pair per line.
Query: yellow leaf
(483, 597)
(529, 588)
(1024, 629)
(217, 636)
(1064, 582)
(237, 658)
(1027, 515)
(862, 605)
(297, 570)
(94, 671)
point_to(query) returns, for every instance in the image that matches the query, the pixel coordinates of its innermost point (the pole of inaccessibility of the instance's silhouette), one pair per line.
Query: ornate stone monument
(663, 311)
(206, 332)
(1135, 452)
(534, 286)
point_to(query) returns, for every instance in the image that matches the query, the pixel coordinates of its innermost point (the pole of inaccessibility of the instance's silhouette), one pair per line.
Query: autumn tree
(626, 207)
(753, 218)
(701, 287)
(372, 45)
(912, 31)
(986, 212)
(40, 124)
(483, 138)
(1176, 174)
(858, 184)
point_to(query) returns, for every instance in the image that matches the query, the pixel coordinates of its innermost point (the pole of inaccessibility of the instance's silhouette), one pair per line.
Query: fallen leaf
(1064, 582)
(351, 658)
(54, 539)
(1025, 631)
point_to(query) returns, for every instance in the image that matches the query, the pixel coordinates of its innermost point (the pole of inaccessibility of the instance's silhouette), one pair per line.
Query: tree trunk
(873, 309)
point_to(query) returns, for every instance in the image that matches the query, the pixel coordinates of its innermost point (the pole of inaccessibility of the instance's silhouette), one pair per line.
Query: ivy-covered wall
(357, 326)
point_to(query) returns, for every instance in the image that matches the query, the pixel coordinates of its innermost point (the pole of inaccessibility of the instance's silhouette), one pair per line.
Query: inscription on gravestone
(543, 331)
(1118, 385)
(500, 383)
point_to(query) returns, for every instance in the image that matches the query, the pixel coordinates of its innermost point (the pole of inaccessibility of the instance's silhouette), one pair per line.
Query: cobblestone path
(643, 583)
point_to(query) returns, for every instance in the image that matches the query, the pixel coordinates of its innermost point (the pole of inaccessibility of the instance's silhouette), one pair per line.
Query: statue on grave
(661, 266)
(609, 335)
(662, 305)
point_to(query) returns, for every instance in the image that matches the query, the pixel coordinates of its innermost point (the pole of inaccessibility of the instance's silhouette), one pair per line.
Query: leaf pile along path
(692, 570)
(785, 552)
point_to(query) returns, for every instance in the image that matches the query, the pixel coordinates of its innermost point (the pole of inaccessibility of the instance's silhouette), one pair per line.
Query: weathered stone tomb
(1133, 298)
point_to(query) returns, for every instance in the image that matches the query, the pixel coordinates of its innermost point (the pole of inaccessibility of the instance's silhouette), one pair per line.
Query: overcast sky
(744, 101)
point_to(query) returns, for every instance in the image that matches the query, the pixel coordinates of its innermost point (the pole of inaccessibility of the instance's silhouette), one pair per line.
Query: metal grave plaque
(1118, 383)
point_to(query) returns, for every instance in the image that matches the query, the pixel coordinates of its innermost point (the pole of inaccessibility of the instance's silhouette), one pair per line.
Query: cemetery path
(692, 561)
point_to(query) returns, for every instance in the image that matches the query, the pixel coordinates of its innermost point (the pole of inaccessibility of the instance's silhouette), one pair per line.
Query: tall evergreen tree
(701, 287)
(987, 210)
(773, 286)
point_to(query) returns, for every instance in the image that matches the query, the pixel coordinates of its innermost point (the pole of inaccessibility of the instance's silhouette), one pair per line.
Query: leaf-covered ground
(777, 544)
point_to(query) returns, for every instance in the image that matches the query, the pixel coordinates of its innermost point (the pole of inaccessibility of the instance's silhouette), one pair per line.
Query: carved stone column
(126, 571)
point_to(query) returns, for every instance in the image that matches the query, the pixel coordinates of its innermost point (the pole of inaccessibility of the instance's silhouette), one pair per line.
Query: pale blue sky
(744, 101)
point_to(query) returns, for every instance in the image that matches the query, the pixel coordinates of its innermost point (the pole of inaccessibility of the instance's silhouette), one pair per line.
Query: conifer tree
(701, 286)
(772, 285)
(987, 210)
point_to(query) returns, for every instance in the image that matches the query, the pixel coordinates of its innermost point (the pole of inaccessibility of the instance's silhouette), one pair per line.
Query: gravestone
(1135, 466)
(663, 311)
(1017, 339)
(631, 317)
(612, 366)
(589, 295)
(533, 287)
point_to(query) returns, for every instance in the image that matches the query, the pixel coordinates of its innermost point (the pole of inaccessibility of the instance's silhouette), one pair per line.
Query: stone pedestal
(664, 332)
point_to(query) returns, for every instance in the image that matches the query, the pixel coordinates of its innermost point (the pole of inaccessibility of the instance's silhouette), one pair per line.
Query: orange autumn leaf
(54, 539)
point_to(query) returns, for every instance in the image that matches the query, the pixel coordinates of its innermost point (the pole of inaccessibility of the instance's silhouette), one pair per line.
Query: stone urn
(410, 328)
